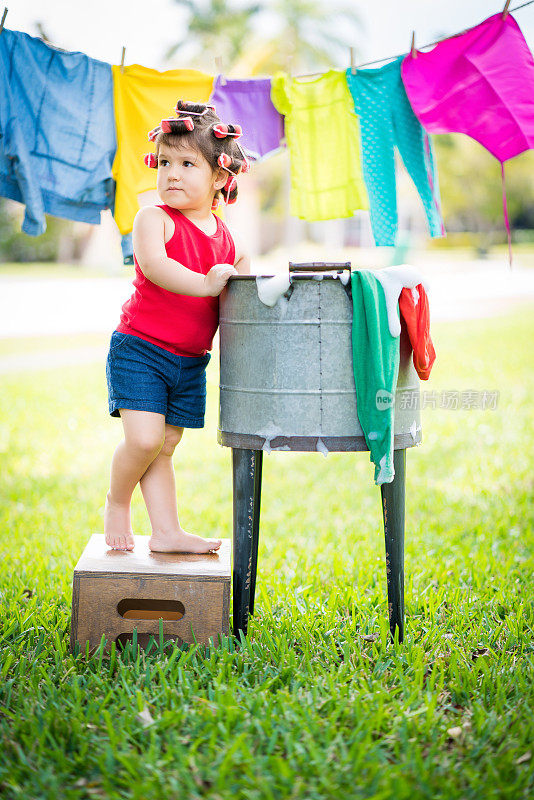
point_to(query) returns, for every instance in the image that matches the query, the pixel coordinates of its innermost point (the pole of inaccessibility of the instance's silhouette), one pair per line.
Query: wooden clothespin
(352, 61)
(122, 58)
(219, 68)
(505, 10)
(4, 15)
(413, 50)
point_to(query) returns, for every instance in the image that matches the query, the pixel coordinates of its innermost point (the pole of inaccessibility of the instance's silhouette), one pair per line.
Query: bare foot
(182, 542)
(117, 526)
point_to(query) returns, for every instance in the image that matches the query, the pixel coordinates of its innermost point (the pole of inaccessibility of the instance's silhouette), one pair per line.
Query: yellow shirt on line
(323, 138)
(142, 98)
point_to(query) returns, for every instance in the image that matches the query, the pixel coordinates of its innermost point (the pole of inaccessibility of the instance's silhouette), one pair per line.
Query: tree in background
(303, 35)
(471, 188)
(216, 29)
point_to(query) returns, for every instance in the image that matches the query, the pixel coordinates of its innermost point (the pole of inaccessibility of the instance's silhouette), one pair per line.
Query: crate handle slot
(135, 608)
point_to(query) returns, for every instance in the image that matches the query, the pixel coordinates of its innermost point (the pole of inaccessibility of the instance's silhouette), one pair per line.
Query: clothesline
(310, 74)
(385, 101)
(422, 47)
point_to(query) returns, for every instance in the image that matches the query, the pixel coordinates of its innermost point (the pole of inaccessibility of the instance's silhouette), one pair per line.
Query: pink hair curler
(151, 160)
(246, 165)
(175, 124)
(231, 184)
(224, 160)
(188, 111)
(154, 132)
(221, 130)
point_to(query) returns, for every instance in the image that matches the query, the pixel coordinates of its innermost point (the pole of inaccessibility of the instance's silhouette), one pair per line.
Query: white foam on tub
(321, 447)
(270, 290)
(393, 280)
(344, 276)
(381, 477)
(269, 433)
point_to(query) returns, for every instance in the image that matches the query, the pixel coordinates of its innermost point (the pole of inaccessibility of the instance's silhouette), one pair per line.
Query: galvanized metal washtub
(286, 372)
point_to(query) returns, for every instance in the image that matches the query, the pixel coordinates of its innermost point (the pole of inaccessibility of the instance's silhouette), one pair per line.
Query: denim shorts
(144, 377)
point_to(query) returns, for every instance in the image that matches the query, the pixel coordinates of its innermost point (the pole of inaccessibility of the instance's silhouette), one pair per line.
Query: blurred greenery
(316, 703)
(62, 239)
(18, 246)
(304, 38)
(471, 187)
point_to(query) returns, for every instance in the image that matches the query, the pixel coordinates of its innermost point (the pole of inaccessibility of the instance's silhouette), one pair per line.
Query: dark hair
(203, 139)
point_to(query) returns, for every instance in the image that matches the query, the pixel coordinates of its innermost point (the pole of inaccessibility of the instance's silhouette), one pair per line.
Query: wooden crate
(115, 591)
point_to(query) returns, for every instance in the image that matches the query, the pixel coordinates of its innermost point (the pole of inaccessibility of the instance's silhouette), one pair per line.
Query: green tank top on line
(323, 138)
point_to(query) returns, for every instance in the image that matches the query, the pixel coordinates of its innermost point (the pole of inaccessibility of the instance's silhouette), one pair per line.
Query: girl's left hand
(217, 278)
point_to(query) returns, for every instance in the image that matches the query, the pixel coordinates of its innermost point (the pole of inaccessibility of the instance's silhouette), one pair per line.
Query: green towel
(375, 360)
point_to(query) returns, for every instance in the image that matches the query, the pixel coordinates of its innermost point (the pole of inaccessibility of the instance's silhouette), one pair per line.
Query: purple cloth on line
(248, 103)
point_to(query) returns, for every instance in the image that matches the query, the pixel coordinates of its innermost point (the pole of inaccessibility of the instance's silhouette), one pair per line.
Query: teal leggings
(386, 120)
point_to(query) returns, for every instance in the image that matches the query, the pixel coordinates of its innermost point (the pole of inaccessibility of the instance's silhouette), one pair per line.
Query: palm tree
(302, 35)
(215, 29)
(311, 35)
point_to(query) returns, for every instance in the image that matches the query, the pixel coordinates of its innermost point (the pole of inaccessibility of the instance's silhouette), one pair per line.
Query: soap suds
(344, 276)
(384, 473)
(271, 289)
(393, 280)
(414, 429)
(321, 447)
(269, 433)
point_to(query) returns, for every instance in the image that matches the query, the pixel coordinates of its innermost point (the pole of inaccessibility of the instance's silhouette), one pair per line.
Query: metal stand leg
(246, 466)
(393, 497)
(255, 526)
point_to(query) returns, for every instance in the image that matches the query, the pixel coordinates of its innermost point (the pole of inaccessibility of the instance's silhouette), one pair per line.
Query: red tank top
(179, 323)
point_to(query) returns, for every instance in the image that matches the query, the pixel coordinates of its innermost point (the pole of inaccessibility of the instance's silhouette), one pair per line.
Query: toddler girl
(184, 255)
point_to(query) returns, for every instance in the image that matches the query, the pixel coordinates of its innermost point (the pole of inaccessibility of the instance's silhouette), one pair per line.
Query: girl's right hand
(217, 278)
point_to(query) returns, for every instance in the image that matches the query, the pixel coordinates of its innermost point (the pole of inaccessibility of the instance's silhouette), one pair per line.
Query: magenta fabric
(480, 83)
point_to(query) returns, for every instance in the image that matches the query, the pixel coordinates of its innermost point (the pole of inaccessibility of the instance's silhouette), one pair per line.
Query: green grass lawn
(317, 702)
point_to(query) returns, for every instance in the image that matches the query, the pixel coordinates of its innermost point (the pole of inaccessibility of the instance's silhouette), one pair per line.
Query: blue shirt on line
(57, 131)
